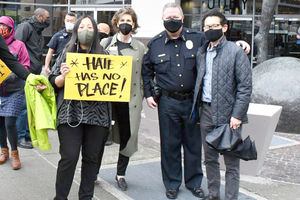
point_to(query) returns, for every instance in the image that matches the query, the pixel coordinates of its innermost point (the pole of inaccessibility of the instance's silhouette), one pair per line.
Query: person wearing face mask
(103, 30)
(30, 32)
(12, 96)
(222, 95)
(127, 116)
(13, 83)
(81, 125)
(59, 40)
(171, 60)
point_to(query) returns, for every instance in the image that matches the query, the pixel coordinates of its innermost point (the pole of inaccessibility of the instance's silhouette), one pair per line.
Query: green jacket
(41, 109)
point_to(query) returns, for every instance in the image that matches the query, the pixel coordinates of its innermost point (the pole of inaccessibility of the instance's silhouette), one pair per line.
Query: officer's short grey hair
(172, 5)
(40, 12)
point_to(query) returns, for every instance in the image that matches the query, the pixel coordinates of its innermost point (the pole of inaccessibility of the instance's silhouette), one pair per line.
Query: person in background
(30, 32)
(127, 116)
(222, 96)
(12, 95)
(81, 125)
(59, 40)
(103, 30)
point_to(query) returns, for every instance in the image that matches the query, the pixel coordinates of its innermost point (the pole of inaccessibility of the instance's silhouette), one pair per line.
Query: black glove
(155, 91)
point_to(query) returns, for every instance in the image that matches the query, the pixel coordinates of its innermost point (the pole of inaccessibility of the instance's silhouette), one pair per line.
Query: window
(100, 1)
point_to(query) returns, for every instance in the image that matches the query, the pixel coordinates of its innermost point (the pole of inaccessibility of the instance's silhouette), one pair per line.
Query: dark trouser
(177, 130)
(232, 175)
(8, 129)
(121, 114)
(122, 165)
(22, 124)
(91, 139)
(35, 68)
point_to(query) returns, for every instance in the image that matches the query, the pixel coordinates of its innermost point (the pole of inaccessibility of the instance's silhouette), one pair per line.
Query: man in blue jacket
(222, 92)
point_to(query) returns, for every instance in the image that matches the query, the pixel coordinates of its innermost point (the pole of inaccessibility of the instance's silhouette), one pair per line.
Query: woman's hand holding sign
(64, 70)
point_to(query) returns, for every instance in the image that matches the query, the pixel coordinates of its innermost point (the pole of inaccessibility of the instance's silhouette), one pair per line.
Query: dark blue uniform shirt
(172, 61)
(59, 41)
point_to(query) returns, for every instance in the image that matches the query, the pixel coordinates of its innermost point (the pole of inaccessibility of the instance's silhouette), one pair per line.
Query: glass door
(80, 11)
(103, 15)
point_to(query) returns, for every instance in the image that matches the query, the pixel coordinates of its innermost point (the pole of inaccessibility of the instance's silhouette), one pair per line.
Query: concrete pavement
(279, 177)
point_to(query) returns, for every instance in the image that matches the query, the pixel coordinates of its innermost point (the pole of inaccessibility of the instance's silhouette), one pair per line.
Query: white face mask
(69, 26)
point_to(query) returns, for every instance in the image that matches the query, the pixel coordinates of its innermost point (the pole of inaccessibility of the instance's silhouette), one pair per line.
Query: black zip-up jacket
(30, 32)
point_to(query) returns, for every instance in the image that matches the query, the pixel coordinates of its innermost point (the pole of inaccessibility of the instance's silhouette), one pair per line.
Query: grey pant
(232, 176)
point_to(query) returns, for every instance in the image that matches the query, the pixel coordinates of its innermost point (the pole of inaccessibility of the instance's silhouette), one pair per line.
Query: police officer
(171, 59)
(60, 39)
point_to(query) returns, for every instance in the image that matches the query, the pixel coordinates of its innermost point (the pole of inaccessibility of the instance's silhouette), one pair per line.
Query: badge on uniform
(189, 44)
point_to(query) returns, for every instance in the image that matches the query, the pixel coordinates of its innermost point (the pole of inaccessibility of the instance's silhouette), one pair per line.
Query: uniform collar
(181, 36)
(65, 33)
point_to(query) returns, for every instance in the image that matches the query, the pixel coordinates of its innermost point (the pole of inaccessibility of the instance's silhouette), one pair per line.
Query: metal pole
(252, 42)
(69, 5)
(201, 15)
(123, 3)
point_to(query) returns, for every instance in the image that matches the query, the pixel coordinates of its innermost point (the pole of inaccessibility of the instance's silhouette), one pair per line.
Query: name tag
(161, 55)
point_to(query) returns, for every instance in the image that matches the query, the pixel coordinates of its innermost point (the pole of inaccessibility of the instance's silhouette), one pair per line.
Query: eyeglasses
(214, 26)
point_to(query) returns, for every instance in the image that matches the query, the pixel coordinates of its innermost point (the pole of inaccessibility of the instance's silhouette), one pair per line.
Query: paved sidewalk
(279, 178)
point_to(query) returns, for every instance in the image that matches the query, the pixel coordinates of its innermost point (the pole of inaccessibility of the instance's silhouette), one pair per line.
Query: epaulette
(158, 36)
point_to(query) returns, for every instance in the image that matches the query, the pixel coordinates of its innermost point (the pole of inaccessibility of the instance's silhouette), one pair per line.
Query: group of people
(203, 81)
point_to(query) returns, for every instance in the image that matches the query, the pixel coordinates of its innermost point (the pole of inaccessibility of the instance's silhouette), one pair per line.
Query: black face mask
(213, 34)
(125, 28)
(102, 35)
(173, 25)
(47, 23)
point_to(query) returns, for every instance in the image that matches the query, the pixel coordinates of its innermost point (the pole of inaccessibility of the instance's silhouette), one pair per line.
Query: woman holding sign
(127, 116)
(80, 124)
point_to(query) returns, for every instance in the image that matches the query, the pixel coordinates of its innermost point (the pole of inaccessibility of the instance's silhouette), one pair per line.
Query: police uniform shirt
(172, 61)
(59, 41)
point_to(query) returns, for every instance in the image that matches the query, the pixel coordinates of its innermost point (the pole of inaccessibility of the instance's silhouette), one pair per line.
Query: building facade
(243, 15)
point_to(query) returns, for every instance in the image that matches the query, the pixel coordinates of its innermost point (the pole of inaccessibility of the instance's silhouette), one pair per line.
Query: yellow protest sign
(4, 71)
(97, 77)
